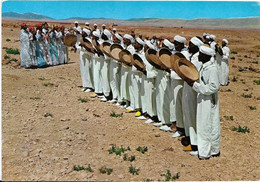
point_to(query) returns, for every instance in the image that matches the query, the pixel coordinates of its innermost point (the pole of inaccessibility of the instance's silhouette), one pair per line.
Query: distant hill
(29, 15)
(232, 23)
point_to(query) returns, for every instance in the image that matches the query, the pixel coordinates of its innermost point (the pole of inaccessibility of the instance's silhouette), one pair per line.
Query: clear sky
(136, 9)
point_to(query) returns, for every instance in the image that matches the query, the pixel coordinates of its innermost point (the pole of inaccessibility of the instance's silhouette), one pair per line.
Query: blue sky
(136, 9)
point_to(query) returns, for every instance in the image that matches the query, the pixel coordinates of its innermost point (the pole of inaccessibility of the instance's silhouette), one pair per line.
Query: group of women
(42, 46)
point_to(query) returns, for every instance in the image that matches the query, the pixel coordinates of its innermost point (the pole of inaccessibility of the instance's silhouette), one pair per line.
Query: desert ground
(35, 147)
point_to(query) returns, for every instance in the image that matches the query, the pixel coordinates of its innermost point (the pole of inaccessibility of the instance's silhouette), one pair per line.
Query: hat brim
(152, 58)
(87, 45)
(164, 56)
(186, 70)
(105, 48)
(138, 62)
(70, 40)
(115, 49)
(97, 46)
(126, 57)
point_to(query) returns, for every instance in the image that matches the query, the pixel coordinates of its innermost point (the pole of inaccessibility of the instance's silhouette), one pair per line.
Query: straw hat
(70, 40)
(97, 46)
(186, 70)
(115, 49)
(138, 62)
(126, 57)
(164, 56)
(151, 57)
(175, 57)
(105, 47)
(87, 45)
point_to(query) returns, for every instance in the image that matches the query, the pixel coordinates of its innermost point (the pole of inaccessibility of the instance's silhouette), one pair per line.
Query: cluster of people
(157, 95)
(42, 46)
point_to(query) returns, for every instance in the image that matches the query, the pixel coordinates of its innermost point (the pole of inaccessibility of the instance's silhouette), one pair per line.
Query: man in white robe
(208, 122)
(224, 63)
(86, 64)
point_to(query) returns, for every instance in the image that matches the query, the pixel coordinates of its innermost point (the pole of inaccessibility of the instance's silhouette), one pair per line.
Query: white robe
(208, 123)
(148, 89)
(25, 48)
(225, 66)
(86, 68)
(97, 74)
(189, 103)
(114, 75)
(78, 28)
(104, 66)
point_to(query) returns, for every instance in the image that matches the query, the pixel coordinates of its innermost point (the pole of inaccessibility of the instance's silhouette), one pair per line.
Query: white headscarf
(119, 37)
(207, 50)
(87, 31)
(168, 44)
(129, 37)
(150, 45)
(108, 34)
(213, 37)
(96, 34)
(225, 40)
(140, 41)
(180, 39)
(196, 41)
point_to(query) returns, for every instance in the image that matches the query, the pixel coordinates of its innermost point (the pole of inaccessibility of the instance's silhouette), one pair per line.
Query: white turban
(95, 24)
(129, 37)
(196, 41)
(96, 33)
(207, 37)
(119, 37)
(225, 40)
(205, 34)
(180, 39)
(207, 50)
(150, 45)
(213, 37)
(103, 25)
(114, 29)
(87, 23)
(107, 33)
(76, 22)
(87, 31)
(168, 44)
(140, 41)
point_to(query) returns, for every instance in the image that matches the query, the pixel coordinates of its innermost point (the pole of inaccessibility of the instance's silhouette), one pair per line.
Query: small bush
(252, 107)
(12, 51)
(131, 159)
(168, 176)
(89, 169)
(80, 168)
(48, 84)
(83, 100)
(96, 115)
(255, 62)
(229, 118)
(133, 170)
(47, 115)
(244, 129)
(104, 170)
(7, 40)
(233, 52)
(247, 95)
(35, 98)
(6, 57)
(142, 149)
(232, 58)
(113, 114)
(14, 60)
(257, 82)
(117, 150)
(245, 56)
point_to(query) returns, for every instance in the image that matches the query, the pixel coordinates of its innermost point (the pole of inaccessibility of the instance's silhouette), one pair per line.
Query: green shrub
(142, 149)
(113, 114)
(48, 84)
(117, 150)
(233, 52)
(133, 170)
(247, 95)
(48, 114)
(104, 170)
(252, 107)
(244, 129)
(234, 79)
(257, 82)
(12, 51)
(35, 98)
(83, 100)
(168, 176)
(7, 40)
(6, 57)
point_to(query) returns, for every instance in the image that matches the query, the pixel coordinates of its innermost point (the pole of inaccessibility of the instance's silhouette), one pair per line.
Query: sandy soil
(35, 147)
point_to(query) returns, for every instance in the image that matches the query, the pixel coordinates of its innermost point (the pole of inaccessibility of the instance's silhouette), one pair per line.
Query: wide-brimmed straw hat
(126, 57)
(70, 40)
(115, 49)
(186, 70)
(105, 47)
(164, 56)
(138, 62)
(175, 57)
(151, 57)
(87, 45)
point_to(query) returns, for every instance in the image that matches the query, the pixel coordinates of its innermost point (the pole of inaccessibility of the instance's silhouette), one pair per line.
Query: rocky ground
(47, 130)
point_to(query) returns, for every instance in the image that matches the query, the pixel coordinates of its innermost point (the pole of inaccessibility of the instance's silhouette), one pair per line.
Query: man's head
(194, 45)
(139, 44)
(179, 42)
(76, 23)
(224, 42)
(23, 26)
(103, 26)
(205, 53)
(114, 30)
(87, 23)
(95, 26)
(167, 44)
(128, 39)
(117, 38)
(45, 25)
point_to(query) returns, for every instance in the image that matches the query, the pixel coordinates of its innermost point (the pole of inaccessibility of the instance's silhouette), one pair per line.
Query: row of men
(188, 109)
(42, 46)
